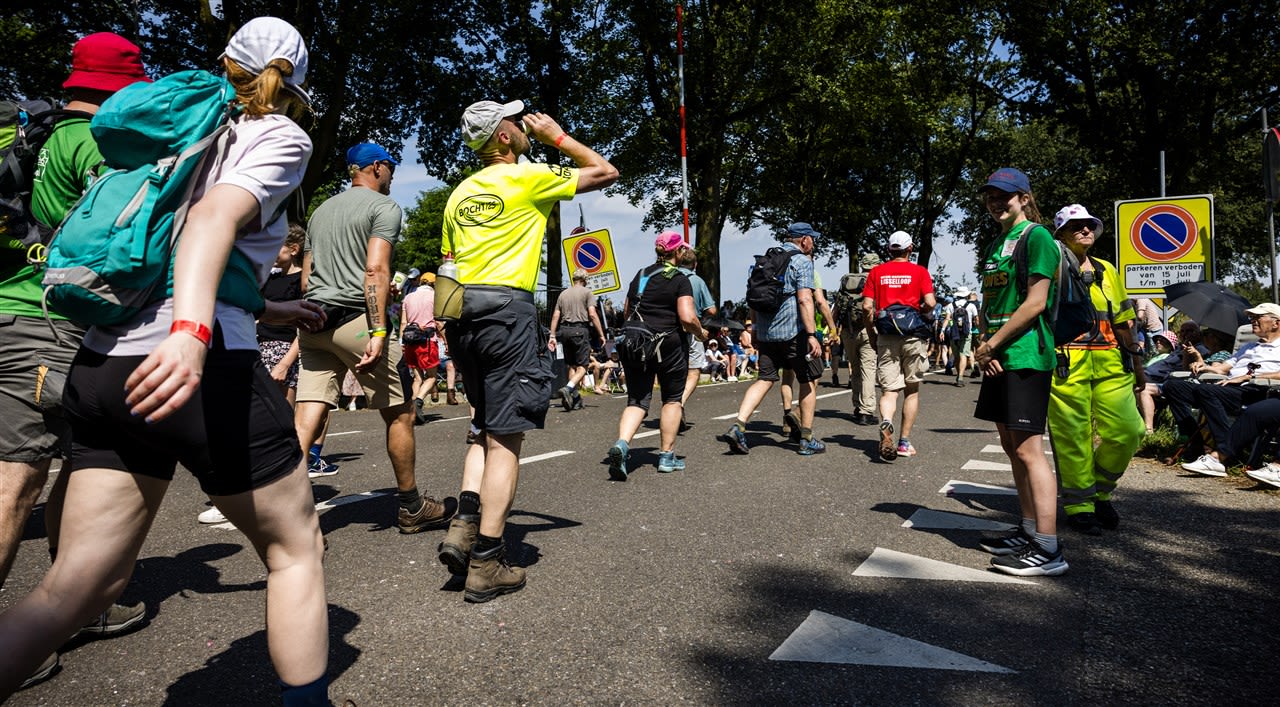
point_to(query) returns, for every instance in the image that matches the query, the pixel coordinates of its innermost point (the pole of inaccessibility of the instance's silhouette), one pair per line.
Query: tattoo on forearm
(371, 306)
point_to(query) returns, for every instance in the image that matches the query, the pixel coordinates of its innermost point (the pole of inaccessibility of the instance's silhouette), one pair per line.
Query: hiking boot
(619, 453)
(456, 547)
(1207, 466)
(865, 419)
(1031, 561)
(47, 669)
(566, 398)
(433, 514)
(736, 440)
(577, 400)
(791, 426)
(888, 450)
(811, 446)
(668, 462)
(489, 575)
(959, 382)
(117, 619)
(1105, 512)
(1006, 543)
(451, 398)
(1086, 523)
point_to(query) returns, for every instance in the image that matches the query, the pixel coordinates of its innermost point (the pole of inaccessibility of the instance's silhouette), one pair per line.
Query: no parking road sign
(1164, 241)
(592, 251)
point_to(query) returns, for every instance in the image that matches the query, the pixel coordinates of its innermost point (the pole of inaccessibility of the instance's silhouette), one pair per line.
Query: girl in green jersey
(1016, 354)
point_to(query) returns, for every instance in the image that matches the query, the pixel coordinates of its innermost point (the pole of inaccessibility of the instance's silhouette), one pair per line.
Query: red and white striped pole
(684, 148)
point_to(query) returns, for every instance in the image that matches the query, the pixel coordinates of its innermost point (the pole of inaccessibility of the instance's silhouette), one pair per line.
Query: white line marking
(900, 565)
(980, 465)
(339, 434)
(969, 488)
(928, 518)
(997, 449)
(548, 455)
(824, 638)
(650, 433)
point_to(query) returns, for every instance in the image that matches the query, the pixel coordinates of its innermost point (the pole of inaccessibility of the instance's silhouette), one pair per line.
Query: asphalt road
(765, 579)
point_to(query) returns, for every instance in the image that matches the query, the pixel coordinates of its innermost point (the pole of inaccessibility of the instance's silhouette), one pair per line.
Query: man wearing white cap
(958, 329)
(896, 296)
(494, 225)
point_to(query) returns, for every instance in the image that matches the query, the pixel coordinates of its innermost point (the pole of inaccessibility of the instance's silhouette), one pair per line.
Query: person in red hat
(30, 351)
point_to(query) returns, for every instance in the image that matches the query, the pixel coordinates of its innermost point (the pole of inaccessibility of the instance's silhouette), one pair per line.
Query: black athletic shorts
(671, 373)
(1017, 399)
(576, 340)
(235, 434)
(505, 364)
(789, 355)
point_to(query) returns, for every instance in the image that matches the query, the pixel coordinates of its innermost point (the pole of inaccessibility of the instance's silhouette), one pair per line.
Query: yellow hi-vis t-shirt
(495, 221)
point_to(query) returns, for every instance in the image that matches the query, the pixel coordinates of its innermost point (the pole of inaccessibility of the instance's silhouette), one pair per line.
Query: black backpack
(960, 326)
(30, 123)
(765, 283)
(1069, 311)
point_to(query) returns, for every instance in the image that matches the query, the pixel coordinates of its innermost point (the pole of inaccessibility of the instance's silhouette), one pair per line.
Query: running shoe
(1006, 543)
(320, 467)
(212, 516)
(1031, 561)
(888, 450)
(811, 446)
(1269, 474)
(736, 440)
(1206, 465)
(668, 462)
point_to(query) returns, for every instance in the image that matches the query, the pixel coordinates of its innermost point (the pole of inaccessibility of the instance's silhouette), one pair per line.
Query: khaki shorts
(902, 361)
(326, 356)
(33, 369)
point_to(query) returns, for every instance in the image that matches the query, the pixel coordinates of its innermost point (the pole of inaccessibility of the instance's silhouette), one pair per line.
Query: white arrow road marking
(979, 465)
(900, 565)
(969, 488)
(926, 518)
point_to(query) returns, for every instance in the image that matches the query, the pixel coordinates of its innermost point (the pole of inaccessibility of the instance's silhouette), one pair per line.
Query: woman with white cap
(137, 404)
(1093, 387)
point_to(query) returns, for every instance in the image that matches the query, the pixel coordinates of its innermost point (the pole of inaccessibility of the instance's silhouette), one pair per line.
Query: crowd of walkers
(242, 398)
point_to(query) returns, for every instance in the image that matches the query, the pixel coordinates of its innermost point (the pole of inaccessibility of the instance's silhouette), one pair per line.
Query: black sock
(313, 693)
(484, 543)
(468, 503)
(410, 500)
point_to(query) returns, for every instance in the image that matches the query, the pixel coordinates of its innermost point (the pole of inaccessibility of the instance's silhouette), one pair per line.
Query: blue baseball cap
(1008, 179)
(366, 153)
(800, 230)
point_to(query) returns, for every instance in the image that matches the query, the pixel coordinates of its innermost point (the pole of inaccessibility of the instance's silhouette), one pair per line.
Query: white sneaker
(1269, 474)
(211, 516)
(1206, 465)
(733, 379)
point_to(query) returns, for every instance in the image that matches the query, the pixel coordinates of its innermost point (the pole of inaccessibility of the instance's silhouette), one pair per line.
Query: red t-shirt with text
(898, 282)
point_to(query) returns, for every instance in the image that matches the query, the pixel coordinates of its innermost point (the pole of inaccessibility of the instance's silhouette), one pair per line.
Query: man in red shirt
(897, 296)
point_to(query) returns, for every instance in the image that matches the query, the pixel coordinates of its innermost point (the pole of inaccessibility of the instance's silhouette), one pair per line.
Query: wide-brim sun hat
(1075, 212)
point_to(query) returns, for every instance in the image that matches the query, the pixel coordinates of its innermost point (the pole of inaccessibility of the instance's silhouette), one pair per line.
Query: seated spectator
(747, 363)
(1257, 419)
(715, 361)
(1189, 346)
(601, 368)
(1219, 401)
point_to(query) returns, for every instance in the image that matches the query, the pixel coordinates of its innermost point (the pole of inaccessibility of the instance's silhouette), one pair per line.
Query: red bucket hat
(105, 62)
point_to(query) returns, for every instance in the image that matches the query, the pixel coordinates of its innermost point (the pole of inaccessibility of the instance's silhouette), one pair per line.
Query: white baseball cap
(480, 120)
(1076, 212)
(263, 39)
(899, 240)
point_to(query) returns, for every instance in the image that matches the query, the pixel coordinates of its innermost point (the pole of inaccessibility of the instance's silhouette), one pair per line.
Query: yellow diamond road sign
(1164, 241)
(592, 251)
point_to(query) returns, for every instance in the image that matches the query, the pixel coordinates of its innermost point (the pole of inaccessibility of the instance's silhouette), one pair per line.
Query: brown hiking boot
(433, 514)
(452, 397)
(489, 576)
(455, 551)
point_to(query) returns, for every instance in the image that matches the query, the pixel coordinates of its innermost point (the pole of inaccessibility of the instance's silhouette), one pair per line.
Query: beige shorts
(902, 360)
(326, 357)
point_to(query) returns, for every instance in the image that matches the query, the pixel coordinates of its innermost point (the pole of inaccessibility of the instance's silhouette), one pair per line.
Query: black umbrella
(717, 322)
(1209, 304)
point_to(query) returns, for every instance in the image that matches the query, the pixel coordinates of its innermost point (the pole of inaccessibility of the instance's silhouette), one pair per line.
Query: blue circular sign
(588, 254)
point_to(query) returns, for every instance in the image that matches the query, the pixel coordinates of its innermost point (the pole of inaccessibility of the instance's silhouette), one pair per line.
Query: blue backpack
(113, 254)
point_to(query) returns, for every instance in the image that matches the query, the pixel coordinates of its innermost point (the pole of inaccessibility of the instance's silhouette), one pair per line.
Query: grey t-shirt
(338, 240)
(575, 303)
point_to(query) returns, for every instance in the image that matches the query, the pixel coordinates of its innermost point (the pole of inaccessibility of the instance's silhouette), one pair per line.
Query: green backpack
(113, 254)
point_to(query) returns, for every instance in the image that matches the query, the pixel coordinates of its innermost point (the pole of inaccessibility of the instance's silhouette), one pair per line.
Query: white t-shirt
(266, 156)
(1265, 355)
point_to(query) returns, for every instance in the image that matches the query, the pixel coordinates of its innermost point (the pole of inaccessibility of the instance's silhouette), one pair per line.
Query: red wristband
(561, 138)
(193, 328)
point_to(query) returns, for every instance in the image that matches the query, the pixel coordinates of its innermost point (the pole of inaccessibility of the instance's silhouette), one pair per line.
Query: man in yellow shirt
(494, 225)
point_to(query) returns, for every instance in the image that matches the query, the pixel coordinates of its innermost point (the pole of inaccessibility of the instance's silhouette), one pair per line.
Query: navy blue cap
(366, 153)
(1008, 179)
(800, 230)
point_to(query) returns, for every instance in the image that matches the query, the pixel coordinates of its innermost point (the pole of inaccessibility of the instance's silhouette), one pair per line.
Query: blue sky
(634, 247)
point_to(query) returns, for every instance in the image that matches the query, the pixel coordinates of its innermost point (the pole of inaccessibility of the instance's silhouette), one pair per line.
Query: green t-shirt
(63, 169)
(1034, 349)
(338, 237)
